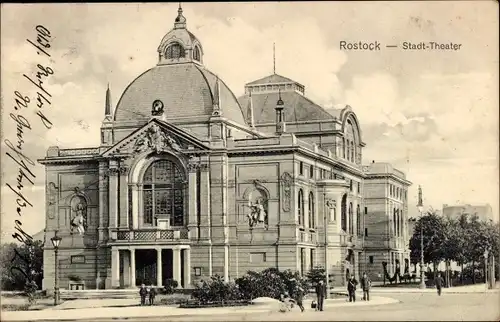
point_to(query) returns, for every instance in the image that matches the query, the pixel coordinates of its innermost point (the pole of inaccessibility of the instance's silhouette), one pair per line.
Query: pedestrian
(143, 292)
(366, 284)
(351, 288)
(439, 283)
(152, 295)
(299, 298)
(320, 294)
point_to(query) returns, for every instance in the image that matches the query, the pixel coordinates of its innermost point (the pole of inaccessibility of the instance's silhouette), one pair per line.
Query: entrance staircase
(99, 294)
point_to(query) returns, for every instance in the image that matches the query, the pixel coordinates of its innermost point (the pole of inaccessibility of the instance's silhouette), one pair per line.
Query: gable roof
(275, 78)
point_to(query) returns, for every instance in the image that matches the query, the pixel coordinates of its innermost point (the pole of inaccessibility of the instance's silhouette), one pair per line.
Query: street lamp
(420, 207)
(56, 240)
(486, 252)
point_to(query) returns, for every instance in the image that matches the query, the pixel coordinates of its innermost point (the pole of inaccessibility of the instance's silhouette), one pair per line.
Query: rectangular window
(302, 261)
(359, 187)
(371, 259)
(366, 210)
(311, 171)
(197, 271)
(259, 257)
(366, 231)
(77, 259)
(301, 168)
(350, 185)
(311, 254)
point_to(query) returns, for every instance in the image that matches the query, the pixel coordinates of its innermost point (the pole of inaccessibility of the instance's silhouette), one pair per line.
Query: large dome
(180, 82)
(187, 90)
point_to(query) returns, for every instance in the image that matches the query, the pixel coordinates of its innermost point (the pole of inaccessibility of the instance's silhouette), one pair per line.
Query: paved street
(412, 307)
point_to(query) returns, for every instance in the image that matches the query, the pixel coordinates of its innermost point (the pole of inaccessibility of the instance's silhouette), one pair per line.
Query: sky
(433, 114)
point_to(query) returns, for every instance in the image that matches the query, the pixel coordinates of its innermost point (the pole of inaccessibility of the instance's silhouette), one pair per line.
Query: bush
(170, 286)
(216, 290)
(315, 275)
(270, 283)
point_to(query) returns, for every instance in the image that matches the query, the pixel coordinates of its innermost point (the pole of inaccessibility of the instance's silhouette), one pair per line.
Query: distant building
(484, 211)
(387, 232)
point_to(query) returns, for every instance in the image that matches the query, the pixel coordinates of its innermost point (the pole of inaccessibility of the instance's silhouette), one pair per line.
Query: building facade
(190, 181)
(387, 229)
(484, 211)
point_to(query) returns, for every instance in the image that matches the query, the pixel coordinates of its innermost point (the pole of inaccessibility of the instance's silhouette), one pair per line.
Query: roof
(297, 107)
(275, 78)
(186, 90)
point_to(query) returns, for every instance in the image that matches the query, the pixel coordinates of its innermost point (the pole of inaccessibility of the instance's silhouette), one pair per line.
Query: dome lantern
(179, 45)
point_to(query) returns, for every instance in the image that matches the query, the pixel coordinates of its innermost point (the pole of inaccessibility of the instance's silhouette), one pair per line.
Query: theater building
(190, 181)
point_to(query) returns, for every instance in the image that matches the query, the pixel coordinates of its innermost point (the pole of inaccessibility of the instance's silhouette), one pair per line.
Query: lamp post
(325, 221)
(486, 252)
(56, 240)
(420, 207)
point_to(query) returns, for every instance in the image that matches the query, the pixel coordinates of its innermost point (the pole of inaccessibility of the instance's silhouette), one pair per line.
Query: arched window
(301, 208)
(344, 148)
(311, 211)
(196, 53)
(351, 141)
(358, 221)
(163, 193)
(351, 230)
(343, 213)
(352, 151)
(175, 50)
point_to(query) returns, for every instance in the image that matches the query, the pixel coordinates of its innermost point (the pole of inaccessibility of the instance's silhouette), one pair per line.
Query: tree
(434, 236)
(20, 265)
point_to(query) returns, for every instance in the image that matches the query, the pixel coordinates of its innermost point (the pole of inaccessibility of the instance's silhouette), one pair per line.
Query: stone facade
(388, 229)
(190, 181)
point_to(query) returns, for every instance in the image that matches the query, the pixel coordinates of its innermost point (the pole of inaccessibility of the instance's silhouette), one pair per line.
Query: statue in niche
(79, 219)
(258, 213)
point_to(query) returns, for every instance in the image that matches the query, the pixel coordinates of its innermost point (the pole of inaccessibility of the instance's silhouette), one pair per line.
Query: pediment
(157, 137)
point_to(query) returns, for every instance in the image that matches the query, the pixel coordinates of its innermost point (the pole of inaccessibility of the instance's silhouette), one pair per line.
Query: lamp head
(56, 240)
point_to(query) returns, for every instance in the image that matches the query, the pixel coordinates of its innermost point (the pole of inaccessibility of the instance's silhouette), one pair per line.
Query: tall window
(311, 171)
(175, 50)
(163, 188)
(301, 207)
(311, 210)
(394, 221)
(196, 54)
(358, 221)
(350, 138)
(351, 230)
(343, 213)
(301, 168)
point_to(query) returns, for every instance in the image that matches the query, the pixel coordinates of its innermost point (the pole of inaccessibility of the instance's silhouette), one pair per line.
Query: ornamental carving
(156, 140)
(331, 204)
(286, 186)
(52, 197)
(122, 170)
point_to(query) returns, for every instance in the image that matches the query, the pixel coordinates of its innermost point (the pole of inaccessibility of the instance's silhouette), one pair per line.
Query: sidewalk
(476, 288)
(89, 313)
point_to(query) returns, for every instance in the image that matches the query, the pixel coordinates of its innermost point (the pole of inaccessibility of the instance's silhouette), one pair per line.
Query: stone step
(99, 294)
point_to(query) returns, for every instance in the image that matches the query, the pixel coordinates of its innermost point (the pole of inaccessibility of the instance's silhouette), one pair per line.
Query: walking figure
(439, 283)
(351, 288)
(299, 298)
(143, 292)
(320, 294)
(366, 284)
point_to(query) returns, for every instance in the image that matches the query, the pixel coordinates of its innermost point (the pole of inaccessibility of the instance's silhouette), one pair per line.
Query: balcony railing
(346, 240)
(150, 235)
(307, 237)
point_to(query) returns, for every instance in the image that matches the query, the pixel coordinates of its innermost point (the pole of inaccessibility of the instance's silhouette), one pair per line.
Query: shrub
(216, 290)
(170, 286)
(315, 275)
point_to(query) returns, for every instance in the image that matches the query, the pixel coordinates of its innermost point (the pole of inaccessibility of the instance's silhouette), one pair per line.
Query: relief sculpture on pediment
(156, 140)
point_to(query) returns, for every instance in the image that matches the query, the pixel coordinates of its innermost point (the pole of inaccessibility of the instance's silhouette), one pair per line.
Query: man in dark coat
(152, 295)
(351, 288)
(320, 294)
(143, 292)
(439, 283)
(366, 283)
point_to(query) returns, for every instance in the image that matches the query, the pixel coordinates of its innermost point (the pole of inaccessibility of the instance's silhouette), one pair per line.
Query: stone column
(115, 267)
(348, 215)
(187, 268)
(176, 262)
(159, 268)
(135, 206)
(205, 202)
(192, 195)
(113, 194)
(123, 201)
(132, 267)
(103, 198)
(338, 211)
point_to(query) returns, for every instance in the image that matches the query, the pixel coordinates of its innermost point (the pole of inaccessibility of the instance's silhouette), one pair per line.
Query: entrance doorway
(146, 271)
